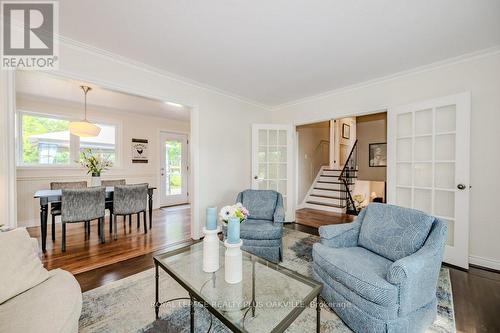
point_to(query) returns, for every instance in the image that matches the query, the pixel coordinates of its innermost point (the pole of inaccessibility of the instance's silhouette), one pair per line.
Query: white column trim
(8, 199)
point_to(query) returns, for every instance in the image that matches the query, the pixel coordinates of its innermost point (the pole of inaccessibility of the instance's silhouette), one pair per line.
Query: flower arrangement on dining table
(237, 211)
(95, 163)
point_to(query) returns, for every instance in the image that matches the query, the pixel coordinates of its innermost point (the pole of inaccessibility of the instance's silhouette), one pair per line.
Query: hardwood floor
(476, 292)
(170, 226)
(316, 218)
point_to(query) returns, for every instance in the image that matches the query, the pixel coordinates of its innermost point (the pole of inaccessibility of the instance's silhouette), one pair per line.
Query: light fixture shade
(84, 129)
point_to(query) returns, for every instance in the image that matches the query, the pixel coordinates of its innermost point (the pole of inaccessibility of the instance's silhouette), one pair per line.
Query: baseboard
(485, 262)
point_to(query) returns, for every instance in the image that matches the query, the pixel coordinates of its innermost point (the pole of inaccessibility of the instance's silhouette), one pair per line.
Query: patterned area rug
(127, 305)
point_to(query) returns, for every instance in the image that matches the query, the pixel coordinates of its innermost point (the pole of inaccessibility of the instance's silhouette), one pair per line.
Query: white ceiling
(278, 51)
(46, 86)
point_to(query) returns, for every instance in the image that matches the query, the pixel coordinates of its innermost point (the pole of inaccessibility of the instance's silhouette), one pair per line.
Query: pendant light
(84, 128)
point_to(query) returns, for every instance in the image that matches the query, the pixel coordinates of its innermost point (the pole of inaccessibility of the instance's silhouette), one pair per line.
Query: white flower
(226, 212)
(232, 211)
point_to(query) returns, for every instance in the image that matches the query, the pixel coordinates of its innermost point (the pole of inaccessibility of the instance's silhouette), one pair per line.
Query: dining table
(50, 196)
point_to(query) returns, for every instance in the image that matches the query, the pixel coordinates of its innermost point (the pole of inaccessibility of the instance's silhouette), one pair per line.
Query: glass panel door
(174, 169)
(428, 145)
(272, 160)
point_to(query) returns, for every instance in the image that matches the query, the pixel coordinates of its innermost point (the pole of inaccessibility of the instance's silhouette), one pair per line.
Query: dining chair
(55, 207)
(109, 202)
(83, 205)
(127, 200)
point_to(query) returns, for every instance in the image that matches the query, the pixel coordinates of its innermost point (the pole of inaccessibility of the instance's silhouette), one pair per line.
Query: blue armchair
(380, 272)
(262, 232)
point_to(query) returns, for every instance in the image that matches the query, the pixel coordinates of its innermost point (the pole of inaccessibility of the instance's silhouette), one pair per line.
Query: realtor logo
(28, 33)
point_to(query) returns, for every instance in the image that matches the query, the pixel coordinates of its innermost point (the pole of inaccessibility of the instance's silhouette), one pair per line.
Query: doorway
(174, 168)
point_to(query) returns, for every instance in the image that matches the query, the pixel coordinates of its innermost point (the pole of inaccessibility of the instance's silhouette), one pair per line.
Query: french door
(272, 161)
(173, 168)
(428, 165)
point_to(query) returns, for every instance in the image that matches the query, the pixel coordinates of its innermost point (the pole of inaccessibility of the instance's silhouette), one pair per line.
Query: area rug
(127, 305)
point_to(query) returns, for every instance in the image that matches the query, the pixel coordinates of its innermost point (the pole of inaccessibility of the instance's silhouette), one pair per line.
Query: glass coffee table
(269, 298)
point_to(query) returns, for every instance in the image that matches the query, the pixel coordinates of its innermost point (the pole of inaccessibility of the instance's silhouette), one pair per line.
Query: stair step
(328, 189)
(328, 181)
(326, 196)
(323, 174)
(324, 204)
(327, 200)
(325, 192)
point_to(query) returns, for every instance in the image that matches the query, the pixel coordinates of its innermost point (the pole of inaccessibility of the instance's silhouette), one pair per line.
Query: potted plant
(95, 163)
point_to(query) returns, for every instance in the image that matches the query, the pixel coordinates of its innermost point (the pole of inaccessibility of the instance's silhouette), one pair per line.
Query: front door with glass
(173, 169)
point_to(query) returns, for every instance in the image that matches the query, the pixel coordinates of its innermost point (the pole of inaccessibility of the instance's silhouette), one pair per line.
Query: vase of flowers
(237, 210)
(233, 216)
(359, 199)
(95, 163)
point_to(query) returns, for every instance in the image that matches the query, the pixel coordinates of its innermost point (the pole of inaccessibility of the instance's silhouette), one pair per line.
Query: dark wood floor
(170, 226)
(316, 218)
(476, 292)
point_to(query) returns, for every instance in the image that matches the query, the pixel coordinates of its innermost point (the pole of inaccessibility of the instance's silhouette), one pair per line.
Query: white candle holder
(233, 263)
(211, 250)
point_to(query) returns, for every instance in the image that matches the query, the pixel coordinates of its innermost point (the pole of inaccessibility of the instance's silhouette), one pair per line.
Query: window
(105, 142)
(45, 140)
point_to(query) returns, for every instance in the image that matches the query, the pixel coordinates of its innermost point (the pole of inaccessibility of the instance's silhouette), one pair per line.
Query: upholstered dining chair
(83, 205)
(262, 232)
(109, 202)
(127, 200)
(55, 207)
(383, 268)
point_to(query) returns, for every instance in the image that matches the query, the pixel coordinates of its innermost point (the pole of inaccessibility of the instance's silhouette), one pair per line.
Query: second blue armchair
(262, 232)
(380, 272)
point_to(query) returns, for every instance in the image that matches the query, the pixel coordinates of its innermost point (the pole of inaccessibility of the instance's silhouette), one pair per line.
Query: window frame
(74, 141)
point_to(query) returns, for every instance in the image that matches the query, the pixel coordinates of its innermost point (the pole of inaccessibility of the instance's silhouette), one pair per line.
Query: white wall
(342, 145)
(220, 127)
(129, 125)
(481, 76)
(313, 152)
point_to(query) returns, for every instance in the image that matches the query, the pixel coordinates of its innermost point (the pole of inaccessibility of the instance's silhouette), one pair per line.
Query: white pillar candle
(210, 250)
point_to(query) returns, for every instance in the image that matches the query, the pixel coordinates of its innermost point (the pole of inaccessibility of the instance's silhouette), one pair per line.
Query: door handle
(461, 186)
(255, 177)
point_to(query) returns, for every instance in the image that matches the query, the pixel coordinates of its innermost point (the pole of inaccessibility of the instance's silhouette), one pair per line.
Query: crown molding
(414, 71)
(154, 70)
(186, 81)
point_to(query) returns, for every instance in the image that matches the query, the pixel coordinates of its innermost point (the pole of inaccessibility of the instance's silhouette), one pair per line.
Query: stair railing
(349, 172)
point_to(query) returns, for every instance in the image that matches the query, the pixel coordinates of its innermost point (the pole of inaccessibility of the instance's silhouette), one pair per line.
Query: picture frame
(346, 131)
(139, 150)
(377, 155)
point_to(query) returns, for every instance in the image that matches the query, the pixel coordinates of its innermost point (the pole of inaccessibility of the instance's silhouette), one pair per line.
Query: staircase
(331, 190)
